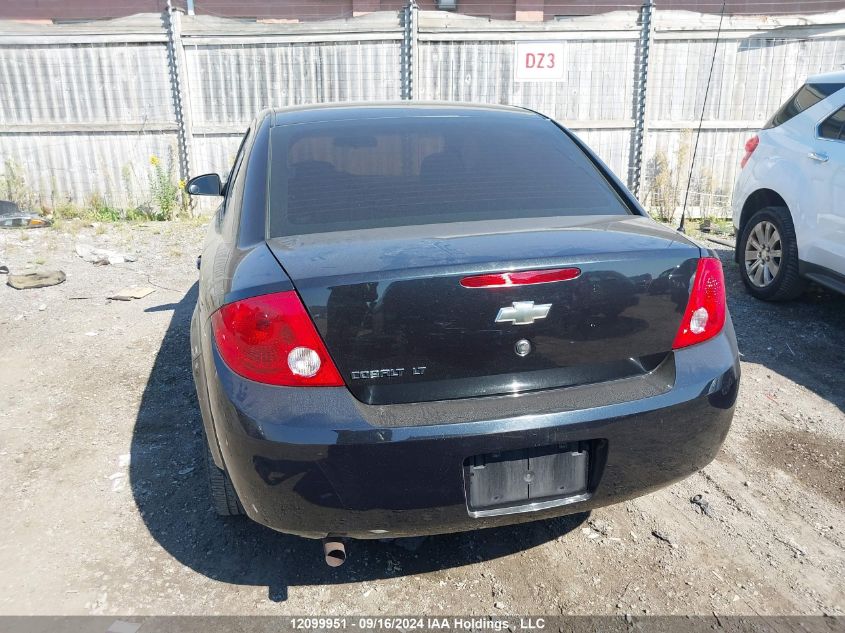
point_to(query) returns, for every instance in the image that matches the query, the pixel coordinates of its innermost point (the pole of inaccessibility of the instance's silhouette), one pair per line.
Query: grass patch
(98, 210)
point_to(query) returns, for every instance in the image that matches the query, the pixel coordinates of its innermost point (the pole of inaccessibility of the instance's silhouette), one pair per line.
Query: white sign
(538, 61)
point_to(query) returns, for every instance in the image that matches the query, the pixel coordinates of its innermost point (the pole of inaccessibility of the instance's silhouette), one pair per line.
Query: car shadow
(801, 339)
(168, 484)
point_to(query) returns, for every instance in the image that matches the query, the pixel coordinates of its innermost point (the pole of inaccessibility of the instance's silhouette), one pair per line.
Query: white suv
(789, 199)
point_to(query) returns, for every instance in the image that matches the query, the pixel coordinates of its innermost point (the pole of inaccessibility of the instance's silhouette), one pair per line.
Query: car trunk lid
(401, 327)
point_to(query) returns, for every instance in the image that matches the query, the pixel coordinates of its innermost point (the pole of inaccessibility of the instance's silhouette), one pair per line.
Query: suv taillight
(705, 313)
(750, 145)
(271, 339)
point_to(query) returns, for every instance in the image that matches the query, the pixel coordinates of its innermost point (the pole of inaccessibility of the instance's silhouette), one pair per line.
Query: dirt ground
(105, 509)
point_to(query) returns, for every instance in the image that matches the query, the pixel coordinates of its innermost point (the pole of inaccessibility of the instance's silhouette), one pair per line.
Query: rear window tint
(806, 97)
(405, 170)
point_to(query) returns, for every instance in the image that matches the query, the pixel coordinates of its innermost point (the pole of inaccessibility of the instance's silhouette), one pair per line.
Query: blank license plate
(527, 475)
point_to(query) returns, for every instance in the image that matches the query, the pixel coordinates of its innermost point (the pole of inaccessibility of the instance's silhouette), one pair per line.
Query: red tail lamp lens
(521, 278)
(704, 317)
(750, 145)
(271, 339)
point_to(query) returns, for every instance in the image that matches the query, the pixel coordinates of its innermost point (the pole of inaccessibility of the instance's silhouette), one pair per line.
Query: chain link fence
(118, 113)
(80, 120)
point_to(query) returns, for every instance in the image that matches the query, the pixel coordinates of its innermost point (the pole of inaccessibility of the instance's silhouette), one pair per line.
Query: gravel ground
(106, 509)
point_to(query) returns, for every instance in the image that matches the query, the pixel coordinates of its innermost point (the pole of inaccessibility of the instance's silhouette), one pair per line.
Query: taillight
(750, 145)
(271, 339)
(705, 313)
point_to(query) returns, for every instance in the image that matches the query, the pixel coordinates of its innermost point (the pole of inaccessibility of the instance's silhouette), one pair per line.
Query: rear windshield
(380, 172)
(806, 97)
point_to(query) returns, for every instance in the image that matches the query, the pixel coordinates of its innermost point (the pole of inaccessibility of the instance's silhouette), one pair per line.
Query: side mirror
(205, 185)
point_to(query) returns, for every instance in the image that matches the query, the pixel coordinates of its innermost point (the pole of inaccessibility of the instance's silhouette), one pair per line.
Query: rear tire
(223, 496)
(768, 256)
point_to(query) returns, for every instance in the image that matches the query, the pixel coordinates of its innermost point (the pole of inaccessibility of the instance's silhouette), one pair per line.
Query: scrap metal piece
(23, 221)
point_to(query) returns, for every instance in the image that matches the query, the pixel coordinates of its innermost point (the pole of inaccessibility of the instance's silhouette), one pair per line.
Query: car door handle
(819, 156)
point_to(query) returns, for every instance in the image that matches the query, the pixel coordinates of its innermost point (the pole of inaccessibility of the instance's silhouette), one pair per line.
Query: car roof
(828, 78)
(392, 109)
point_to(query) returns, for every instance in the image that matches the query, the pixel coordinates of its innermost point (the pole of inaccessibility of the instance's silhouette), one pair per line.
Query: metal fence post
(408, 55)
(640, 86)
(179, 89)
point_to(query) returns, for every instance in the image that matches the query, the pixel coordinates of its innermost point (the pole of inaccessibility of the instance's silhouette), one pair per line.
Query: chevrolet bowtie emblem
(523, 312)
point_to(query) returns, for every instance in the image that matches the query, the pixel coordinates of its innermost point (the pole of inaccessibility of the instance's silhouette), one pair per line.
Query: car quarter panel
(235, 261)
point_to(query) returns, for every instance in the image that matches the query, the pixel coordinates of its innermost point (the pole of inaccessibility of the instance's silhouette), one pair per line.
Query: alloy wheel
(763, 253)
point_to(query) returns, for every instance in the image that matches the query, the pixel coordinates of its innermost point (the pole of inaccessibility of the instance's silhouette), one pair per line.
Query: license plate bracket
(527, 477)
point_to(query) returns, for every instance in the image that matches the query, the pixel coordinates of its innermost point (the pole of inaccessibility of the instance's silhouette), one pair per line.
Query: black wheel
(223, 495)
(768, 256)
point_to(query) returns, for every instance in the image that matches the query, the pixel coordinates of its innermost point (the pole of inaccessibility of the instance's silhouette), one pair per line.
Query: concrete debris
(101, 256)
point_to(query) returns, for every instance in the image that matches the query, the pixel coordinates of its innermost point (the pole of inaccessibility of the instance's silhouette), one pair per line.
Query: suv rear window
(405, 170)
(806, 97)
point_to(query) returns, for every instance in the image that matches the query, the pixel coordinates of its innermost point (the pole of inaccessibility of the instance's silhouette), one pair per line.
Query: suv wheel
(768, 256)
(223, 496)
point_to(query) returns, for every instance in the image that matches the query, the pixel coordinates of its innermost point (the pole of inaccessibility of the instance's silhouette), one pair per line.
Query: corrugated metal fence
(84, 108)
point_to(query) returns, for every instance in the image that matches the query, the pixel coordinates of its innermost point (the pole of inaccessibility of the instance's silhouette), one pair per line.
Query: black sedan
(423, 318)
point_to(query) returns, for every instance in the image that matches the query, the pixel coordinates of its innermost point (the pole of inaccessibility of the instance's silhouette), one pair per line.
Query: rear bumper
(316, 462)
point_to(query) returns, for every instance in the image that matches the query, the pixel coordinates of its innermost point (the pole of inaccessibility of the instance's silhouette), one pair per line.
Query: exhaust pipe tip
(334, 553)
